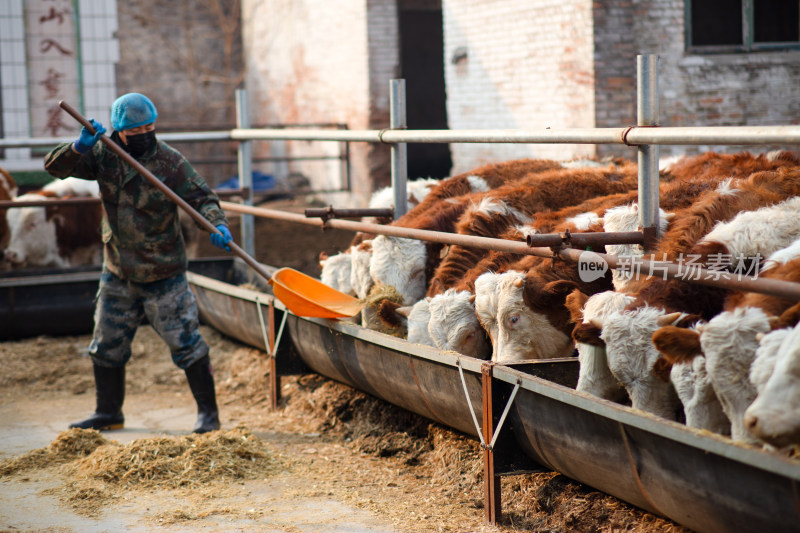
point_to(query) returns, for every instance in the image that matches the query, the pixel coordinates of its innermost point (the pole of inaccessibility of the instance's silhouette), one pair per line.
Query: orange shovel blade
(308, 297)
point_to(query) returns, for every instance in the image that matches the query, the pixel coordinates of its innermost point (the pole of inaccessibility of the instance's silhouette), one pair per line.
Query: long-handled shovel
(200, 219)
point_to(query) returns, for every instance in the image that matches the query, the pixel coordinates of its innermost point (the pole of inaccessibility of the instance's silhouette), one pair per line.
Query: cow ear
(661, 369)
(588, 333)
(557, 291)
(575, 302)
(788, 318)
(676, 344)
(387, 313)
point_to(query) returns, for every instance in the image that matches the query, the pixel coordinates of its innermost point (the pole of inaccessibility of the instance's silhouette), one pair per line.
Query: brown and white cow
(58, 235)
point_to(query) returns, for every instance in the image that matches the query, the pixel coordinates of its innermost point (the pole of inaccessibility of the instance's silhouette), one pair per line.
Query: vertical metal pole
(397, 121)
(245, 170)
(647, 115)
(491, 481)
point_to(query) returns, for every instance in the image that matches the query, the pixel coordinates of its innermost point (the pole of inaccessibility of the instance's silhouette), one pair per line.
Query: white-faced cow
(58, 235)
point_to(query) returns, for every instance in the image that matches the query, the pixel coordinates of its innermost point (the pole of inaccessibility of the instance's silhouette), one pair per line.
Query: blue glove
(87, 140)
(221, 241)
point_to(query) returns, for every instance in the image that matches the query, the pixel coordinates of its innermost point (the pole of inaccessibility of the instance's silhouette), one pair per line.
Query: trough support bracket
(491, 481)
(271, 347)
(274, 378)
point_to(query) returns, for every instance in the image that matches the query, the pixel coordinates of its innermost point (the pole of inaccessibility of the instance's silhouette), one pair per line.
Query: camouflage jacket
(141, 230)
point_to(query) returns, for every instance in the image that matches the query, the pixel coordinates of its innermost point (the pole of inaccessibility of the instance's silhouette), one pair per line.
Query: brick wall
(517, 64)
(187, 58)
(322, 63)
(735, 89)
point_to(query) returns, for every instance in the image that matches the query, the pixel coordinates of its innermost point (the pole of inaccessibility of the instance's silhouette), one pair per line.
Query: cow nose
(751, 422)
(12, 256)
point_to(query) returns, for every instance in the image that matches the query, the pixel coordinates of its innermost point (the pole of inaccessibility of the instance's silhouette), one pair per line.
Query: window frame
(748, 31)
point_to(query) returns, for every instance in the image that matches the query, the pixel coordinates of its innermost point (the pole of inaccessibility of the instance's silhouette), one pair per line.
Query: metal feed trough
(527, 416)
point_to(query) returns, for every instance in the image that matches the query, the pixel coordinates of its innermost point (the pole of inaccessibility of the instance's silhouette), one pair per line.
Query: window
(742, 25)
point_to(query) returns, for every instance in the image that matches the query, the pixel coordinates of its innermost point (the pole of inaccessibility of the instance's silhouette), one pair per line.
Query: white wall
(529, 65)
(311, 62)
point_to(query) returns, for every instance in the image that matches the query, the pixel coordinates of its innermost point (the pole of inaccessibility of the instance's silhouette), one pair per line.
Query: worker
(144, 256)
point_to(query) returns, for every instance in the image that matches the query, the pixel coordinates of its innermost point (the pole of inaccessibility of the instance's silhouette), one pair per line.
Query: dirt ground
(331, 459)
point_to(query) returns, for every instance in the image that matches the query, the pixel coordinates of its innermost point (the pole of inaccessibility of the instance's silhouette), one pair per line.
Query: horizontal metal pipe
(189, 136)
(739, 135)
(633, 136)
(297, 134)
(581, 240)
(779, 288)
(81, 200)
(195, 136)
(331, 212)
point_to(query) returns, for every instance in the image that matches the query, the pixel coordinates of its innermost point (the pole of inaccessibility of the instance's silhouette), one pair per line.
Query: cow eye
(513, 319)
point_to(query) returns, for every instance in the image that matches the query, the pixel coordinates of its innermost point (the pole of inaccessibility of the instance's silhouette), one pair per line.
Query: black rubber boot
(110, 386)
(201, 381)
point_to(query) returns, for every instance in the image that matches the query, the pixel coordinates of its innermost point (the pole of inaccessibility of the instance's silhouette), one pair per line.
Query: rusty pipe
(333, 212)
(582, 240)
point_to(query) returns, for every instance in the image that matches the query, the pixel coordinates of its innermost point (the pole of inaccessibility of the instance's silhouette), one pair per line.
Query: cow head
(486, 303)
(525, 332)
(419, 316)
(729, 342)
(586, 312)
(696, 391)
(454, 325)
(632, 358)
(399, 263)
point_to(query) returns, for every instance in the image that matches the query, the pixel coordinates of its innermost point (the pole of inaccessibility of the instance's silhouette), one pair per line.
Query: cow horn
(699, 328)
(669, 319)
(519, 282)
(599, 221)
(773, 321)
(760, 336)
(404, 311)
(669, 216)
(596, 322)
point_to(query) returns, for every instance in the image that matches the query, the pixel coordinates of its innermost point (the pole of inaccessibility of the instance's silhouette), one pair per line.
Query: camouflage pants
(168, 305)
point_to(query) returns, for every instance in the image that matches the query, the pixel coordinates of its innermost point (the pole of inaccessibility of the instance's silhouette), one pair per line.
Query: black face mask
(139, 144)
